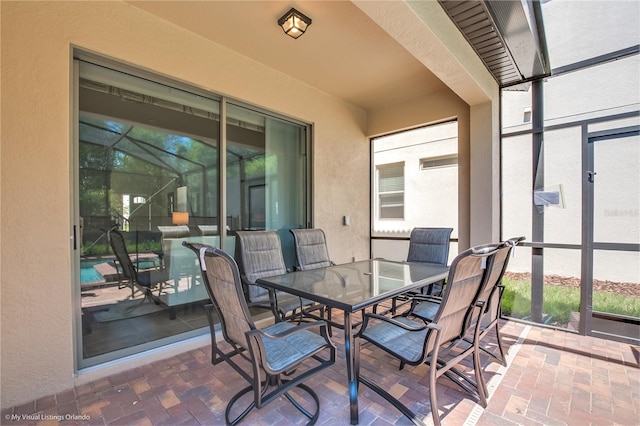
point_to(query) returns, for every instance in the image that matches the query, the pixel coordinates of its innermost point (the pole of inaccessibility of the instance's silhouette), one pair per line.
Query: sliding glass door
(148, 168)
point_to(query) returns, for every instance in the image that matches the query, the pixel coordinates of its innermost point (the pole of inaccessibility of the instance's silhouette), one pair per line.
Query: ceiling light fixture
(294, 23)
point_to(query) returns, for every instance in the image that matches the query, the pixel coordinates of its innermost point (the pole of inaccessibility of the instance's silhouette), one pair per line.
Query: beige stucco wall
(37, 39)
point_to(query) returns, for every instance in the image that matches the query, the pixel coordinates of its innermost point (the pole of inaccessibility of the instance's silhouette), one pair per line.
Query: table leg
(351, 358)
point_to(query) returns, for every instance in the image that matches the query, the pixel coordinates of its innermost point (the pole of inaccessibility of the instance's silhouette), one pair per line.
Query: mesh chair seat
(282, 353)
(426, 309)
(286, 302)
(394, 339)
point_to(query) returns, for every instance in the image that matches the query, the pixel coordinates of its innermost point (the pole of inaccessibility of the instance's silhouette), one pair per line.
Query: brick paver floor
(553, 378)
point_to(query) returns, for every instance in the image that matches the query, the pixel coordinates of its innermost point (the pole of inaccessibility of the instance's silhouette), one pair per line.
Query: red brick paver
(553, 378)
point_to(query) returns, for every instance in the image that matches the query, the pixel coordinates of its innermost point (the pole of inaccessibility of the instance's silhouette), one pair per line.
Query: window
(437, 162)
(391, 191)
(414, 184)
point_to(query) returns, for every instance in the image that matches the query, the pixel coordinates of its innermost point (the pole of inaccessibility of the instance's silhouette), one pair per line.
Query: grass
(559, 302)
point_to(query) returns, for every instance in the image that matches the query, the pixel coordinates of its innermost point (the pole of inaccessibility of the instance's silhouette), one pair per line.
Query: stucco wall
(37, 41)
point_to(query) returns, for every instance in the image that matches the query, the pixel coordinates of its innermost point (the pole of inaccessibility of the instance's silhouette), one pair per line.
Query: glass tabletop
(354, 286)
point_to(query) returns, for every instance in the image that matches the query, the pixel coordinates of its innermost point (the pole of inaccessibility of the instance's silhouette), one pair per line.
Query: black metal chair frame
(255, 351)
(130, 272)
(430, 335)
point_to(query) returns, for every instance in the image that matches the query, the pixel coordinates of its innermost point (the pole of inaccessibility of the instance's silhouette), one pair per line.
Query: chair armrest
(297, 329)
(392, 321)
(427, 298)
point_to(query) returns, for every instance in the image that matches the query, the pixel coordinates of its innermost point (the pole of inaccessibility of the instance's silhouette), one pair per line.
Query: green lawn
(560, 301)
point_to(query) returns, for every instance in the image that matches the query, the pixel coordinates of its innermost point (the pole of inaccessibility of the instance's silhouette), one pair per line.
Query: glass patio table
(352, 287)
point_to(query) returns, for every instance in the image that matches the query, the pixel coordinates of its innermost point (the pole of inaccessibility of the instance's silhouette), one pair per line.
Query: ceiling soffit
(509, 39)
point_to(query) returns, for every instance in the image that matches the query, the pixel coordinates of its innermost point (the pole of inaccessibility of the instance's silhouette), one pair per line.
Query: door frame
(588, 222)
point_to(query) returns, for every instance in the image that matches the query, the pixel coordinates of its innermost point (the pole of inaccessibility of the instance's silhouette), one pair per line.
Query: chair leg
(313, 418)
(244, 413)
(481, 385)
(432, 393)
(262, 397)
(503, 358)
(147, 295)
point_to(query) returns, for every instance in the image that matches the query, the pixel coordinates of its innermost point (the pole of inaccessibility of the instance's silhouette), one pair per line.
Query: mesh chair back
(429, 245)
(259, 254)
(491, 294)
(222, 279)
(494, 275)
(119, 247)
(311, 249)
(467, 278)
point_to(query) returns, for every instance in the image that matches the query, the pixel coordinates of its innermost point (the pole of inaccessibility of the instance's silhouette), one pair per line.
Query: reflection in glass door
(147, 160)
(611, 275)
(266, 179)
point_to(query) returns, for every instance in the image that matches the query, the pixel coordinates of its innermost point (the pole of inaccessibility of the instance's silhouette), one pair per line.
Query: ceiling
(343, 53)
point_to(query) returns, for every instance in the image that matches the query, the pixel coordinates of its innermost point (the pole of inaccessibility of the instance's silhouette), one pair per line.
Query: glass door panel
(616, 200)
(615, 182)
(266, 175)
(562, 183)
(147, 167)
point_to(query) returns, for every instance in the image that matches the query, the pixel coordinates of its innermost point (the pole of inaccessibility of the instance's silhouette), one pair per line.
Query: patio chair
(145, 280)
(280, 349)
(311, 249)
(430, 246)
(490, 299)
(312, 253)
(439, 343)
(259, 255)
